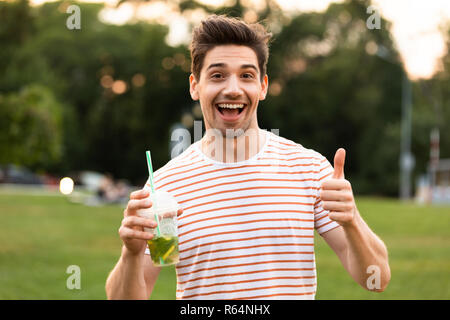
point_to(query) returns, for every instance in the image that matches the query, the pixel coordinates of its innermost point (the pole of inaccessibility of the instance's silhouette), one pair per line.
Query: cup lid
(163, 200)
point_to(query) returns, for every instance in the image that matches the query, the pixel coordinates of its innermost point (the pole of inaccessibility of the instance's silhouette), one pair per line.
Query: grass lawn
(40, 236)
(418, 242)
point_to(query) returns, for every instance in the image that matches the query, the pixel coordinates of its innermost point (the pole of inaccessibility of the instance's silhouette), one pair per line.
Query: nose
(232, 87)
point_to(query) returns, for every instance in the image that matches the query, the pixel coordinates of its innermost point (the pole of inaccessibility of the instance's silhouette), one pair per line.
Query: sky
(416, 24)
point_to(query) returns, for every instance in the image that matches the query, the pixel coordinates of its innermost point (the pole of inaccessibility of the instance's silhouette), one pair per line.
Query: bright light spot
(416, 28)
(216, 3)
(66, 185)
(118, 16)
(371, 48)
(168, 63)
(138, 80)
(155, 10)
(425, 53)
(306, 5)
(275, 88)
(250, 16)
(179, 59)
(187, 120)
(107, 81)
(257, 5)
(197, 110)
(119, 87)
(178, 32)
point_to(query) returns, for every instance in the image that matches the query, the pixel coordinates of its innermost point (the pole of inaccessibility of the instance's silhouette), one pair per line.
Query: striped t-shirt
(247, 228)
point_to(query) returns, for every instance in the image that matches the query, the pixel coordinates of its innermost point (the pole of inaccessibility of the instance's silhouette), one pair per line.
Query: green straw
(150, 174)
(150, 170)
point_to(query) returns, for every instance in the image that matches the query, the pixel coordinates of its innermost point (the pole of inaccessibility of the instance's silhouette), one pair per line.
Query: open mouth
(230, 112)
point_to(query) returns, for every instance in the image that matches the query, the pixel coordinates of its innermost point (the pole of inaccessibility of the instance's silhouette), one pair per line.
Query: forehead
(231, 55)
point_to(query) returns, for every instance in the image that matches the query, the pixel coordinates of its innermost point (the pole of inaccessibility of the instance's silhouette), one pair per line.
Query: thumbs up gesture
(337, 195)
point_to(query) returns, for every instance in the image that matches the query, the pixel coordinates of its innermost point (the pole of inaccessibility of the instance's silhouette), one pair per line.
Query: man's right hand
(132, 231)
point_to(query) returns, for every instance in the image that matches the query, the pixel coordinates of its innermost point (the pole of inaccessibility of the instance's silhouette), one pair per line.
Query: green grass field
(40, 236)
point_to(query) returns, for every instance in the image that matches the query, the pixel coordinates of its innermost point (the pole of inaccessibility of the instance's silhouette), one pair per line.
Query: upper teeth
(231, 106)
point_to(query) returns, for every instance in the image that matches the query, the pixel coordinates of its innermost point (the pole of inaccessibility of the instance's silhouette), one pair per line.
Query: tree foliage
(31, 127)
(329, 88)
(336, 92)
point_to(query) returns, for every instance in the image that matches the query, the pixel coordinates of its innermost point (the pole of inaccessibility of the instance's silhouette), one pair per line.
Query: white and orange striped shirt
(247, 228)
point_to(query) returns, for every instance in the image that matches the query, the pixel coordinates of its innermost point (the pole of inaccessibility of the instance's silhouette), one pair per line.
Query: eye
(248, 75)
(216, 75)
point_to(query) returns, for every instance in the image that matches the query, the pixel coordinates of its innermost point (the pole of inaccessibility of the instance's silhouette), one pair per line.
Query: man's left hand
(337, 195)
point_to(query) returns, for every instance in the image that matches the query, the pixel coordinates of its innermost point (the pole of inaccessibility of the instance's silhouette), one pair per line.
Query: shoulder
(284, 146)
(187, 157)
(176, 165)
(298, 158)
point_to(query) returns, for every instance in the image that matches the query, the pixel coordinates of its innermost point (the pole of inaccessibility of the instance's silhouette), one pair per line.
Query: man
(251, 200)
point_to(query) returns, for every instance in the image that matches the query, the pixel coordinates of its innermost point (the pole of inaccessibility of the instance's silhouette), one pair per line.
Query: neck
(233, 146)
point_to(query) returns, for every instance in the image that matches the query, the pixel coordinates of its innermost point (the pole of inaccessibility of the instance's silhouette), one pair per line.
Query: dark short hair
(222, 30)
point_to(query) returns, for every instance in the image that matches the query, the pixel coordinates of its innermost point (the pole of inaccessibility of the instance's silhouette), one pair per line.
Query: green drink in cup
(164, 245)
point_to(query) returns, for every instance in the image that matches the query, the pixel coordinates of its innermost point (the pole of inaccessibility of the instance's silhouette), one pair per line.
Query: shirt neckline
(197, 149)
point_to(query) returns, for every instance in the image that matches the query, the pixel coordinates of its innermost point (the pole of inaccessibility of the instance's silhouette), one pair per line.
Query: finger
(339, 161)
(127, 233)
(134, 221)
(139, 194)
(171, 214)
(334, 195)
(134, 205)
(336, 184)
(341, 217)
(338, 206)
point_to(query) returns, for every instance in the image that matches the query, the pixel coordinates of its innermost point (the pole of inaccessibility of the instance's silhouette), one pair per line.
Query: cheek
(254, 91)
(254, 94)
(210, 93)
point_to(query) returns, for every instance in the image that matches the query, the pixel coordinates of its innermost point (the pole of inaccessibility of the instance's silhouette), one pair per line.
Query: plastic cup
(164, 245)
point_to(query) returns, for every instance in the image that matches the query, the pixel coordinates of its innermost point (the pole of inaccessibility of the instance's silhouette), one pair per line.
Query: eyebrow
(222, 65)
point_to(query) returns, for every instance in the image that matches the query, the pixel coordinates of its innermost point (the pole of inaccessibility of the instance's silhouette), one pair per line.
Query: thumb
(339, 161)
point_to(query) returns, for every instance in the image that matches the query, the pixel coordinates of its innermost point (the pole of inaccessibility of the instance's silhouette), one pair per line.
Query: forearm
(127, 281)
(366, 255)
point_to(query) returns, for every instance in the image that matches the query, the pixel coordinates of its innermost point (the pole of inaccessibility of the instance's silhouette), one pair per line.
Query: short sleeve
(322, 222)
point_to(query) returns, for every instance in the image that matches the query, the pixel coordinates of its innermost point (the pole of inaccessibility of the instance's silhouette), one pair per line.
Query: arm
(360, 250)
(133, 277)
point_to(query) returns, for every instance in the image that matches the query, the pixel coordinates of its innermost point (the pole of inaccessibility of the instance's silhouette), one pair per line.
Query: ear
(193, 88)
(264, 87)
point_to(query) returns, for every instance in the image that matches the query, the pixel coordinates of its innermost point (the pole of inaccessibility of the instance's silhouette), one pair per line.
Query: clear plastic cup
(164, 245)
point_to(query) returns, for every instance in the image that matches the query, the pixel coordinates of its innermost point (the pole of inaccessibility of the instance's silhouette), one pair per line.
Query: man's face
(229, 88)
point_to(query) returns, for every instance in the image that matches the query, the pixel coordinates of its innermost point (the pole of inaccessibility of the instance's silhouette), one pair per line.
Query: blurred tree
(13, 34)
(113, 81)
(432, 111)
(329, 89)
(31, 128)
(439, 101)
(236, 8)
(121, 88)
